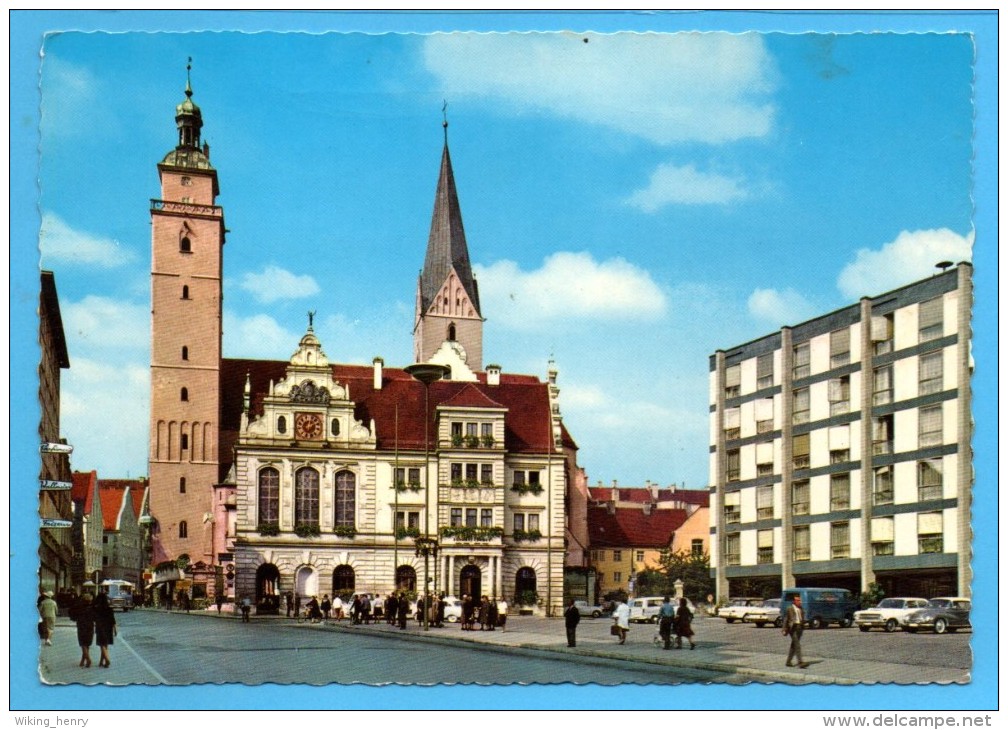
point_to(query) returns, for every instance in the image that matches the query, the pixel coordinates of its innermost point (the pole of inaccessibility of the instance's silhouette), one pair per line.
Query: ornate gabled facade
(305, 475)
(122, 540)
(88, 529)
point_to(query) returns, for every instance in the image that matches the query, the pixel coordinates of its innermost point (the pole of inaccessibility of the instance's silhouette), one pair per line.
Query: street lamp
(427, 373)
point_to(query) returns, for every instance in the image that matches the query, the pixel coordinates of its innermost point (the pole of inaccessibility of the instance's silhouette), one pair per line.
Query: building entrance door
(470, 581)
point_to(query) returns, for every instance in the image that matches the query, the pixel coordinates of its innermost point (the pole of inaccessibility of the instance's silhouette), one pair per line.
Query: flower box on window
(307, 530)
(526, 535)
(345, 531)
(488, 441)
(269, 529)
(522, 488)
(465, 533)
(410, 486)
(472, 441)
(402, 533)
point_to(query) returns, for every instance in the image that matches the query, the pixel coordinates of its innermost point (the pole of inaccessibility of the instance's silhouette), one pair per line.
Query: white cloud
(568, 286)
(667, 88)
(911, 256)
(258, 336)
(106, 329)
(780, 307)
(275, 284)
(61, 244)
(685, 185)
(68, 94)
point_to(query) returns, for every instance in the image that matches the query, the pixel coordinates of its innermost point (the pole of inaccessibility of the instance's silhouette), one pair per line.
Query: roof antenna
(943, 265)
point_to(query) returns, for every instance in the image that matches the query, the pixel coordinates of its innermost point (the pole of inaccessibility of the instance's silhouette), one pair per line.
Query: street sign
(51, 448)
(52, 484)
(51, 523)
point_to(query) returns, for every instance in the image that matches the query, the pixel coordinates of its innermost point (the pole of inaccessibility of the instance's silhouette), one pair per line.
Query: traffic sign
(52, 484)
(51, 448)
(51, 523)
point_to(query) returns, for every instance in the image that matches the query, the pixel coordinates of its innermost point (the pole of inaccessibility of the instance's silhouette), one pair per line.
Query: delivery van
(120, 593)
(822, 606)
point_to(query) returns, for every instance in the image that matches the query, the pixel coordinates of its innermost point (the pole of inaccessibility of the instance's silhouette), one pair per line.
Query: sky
(631, 204)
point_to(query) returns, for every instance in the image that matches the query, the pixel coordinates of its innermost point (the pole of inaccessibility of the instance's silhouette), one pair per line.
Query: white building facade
(840, 448)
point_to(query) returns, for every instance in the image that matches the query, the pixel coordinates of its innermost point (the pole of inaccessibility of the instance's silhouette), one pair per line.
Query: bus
(120, 593)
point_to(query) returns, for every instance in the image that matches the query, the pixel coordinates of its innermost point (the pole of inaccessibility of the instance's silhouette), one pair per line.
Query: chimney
(378, 363)
(493, 375)
(654, 491)
(647, 508)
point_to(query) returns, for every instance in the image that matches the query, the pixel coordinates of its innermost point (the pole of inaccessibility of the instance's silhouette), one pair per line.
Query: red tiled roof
(137, 486)
(83, 489)
(111, 504)
(632, 528)
(526, 398)
(642, 495)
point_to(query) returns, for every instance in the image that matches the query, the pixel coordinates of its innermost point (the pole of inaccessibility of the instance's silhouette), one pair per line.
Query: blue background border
(26, 693)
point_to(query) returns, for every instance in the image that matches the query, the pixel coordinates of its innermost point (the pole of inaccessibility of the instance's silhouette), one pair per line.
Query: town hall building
(309, 476)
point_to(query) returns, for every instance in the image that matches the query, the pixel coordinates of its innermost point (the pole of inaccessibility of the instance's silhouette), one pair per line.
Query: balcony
(882, 397)
(838, 552)
(467, 534)
(882, 548)
(880, 448)
(930, 544)
(802, 554)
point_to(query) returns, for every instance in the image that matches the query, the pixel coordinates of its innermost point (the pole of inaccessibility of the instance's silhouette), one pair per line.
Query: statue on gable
(308, 392)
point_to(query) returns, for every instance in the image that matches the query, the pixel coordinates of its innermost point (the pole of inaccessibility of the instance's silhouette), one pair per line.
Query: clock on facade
(307, 426)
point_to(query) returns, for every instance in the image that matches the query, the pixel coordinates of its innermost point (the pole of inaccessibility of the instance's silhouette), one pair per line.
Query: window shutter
(836, 391)
(764, 453)
(764, 409)
(840, 341)
(764, 366)
(800, 445)
(882, 529)
(764, 497)
(733, 376)
(732, 499)
(764, 538)
(930, 419)
(930, 313)
(881, 329)
(929, 523)
(931, 365)
(839, 437)
(732, 418)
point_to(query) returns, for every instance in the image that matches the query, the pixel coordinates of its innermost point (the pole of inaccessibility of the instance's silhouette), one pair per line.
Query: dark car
(946, 614)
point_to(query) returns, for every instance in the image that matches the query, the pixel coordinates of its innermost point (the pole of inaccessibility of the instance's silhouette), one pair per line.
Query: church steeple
(188, 117)
(448, 306)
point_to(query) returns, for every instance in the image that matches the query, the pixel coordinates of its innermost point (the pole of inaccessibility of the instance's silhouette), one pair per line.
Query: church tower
(447, 303)
(187, 239)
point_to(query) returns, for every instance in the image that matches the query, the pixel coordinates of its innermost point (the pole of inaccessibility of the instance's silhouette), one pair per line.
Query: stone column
(491, 584)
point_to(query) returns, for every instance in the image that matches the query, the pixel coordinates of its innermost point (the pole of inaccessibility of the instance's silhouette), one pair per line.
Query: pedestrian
(219, 600)
(378, 608)
(502, 609)
(572, 617)
(391, 609)
(403, 610)
(492, 615)
(439, 617)
(683, 621)
(621, 620)
(47, 612)
(355, 608)
(365, 608)
(325, 606)
(184, 600)
(466, 611)
(337, 606)
(289, 598)
(794, 626)
(666, 616)
(169, 598)
(484, 611)
(105, 626)
(246, 609)
(81, 614)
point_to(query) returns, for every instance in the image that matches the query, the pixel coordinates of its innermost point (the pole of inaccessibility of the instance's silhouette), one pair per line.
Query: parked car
(942, 614)
(822, 606)
(768, 613)
(586, 609)
(645, 610)
(890, 614)
(737, 608)
(452, 609)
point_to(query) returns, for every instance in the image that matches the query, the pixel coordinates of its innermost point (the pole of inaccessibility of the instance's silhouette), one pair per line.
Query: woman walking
(105, 626)
(683, 619)
(83, 616)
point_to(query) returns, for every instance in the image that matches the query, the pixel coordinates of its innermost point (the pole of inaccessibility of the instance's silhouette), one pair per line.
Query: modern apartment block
(840, 447)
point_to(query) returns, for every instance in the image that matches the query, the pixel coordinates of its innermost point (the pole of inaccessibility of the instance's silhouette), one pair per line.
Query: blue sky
(844, 148)
(632, 202)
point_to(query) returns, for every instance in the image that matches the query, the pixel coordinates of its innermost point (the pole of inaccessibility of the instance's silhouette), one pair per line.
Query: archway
(267, 596)
(470, 581)
(405, 578)
(306, 581)
(344, 580)
(525, 587)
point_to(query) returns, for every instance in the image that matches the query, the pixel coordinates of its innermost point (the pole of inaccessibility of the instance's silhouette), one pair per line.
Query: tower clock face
(308, 426)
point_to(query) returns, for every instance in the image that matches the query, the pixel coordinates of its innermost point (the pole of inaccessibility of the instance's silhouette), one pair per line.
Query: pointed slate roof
(446, 246)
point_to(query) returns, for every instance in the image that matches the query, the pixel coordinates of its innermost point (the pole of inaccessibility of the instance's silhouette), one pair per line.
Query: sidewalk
(537, 634)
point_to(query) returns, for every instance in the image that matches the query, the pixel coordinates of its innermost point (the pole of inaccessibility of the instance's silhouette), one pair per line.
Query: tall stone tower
(447, 304)
(187, 239)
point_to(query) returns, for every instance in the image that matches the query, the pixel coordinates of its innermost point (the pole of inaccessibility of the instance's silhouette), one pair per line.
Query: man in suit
(794, 625)
(572, 617)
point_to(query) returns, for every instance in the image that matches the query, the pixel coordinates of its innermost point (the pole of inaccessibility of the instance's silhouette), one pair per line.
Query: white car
(737, 608)
(890, 614)
(768, 613)
(452, 609)
(645, 610)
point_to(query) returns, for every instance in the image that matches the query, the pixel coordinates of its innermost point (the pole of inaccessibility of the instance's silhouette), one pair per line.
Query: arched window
(525, 586)
(451, 332)
(306, 497)
(185, 394)
(405, 578)
(184, 442)
(269, 496)
(183, 529)
(335, 427)
(185, 352)
(185, 291)
(346, 491)
(181, 485)
(343, 579)
(185, 245)
(282, 425)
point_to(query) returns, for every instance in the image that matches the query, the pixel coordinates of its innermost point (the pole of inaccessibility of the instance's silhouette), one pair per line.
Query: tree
(872, 595)
(692, 568)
